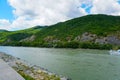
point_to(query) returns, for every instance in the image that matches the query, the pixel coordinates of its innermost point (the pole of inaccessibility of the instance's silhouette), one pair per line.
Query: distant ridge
(2, 30)
(38, 27)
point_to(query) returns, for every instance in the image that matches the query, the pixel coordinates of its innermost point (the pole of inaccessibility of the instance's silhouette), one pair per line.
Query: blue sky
(86, 7)
(6, 10)
(21, 14)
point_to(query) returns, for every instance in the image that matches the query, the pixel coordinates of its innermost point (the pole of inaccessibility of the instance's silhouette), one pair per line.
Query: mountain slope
(100, 25)
(2, 30)
(16, 36)
(91, 31)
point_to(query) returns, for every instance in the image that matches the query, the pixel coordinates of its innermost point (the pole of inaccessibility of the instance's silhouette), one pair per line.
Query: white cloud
(41, 12)
(29, 13)
(111, 7)
(5, 24)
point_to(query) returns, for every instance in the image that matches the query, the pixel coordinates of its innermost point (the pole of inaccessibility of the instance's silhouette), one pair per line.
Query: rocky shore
(30, 72)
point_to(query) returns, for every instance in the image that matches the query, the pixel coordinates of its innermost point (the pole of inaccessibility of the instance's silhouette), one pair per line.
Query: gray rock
(88, 37)
(28, 39)
(101, 40)
(113, 40)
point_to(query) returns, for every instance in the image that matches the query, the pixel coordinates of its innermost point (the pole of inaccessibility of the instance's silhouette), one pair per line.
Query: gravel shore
(36, 72)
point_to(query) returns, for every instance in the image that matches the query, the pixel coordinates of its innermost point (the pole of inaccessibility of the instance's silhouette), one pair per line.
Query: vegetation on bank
(36, 74)
(25, 76)
(91, 31)
(46, 76)
(84, 45)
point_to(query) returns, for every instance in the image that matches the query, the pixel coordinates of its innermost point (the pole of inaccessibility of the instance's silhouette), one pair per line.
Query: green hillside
(91, 31)
(96, 24)
(7, 38)
(2, 30)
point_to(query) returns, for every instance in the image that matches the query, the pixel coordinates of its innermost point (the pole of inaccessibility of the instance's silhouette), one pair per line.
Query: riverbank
(72, 44)
(28, 71)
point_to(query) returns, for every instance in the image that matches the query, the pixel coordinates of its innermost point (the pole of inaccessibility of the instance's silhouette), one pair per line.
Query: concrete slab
(8, 73)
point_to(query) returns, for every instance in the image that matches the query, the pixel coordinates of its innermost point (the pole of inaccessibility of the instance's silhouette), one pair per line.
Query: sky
(22, 14)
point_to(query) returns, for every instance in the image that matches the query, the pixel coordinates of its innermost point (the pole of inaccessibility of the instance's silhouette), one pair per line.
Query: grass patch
(26, 77)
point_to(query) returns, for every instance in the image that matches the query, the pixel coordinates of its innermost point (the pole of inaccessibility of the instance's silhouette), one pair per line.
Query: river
(78, 64)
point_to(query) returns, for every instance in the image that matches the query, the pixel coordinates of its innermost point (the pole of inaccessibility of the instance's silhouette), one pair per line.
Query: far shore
(54, 47)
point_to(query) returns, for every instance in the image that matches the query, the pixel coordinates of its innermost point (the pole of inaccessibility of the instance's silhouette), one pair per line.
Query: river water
(78, 64)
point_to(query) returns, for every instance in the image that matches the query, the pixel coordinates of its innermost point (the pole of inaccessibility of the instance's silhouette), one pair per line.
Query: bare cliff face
(88, 37)
(28, 39)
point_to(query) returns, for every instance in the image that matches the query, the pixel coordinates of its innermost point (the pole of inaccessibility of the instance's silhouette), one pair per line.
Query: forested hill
(91, 31)
(2, 30)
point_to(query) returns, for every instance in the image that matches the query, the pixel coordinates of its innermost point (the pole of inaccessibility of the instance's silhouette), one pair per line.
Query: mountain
(91, 31)
(2, 30)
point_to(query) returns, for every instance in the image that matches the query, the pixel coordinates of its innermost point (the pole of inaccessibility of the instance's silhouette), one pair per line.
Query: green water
(78, 64)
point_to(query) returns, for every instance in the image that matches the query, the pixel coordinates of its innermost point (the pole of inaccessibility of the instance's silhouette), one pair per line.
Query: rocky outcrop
(88, 37)
(113, 40)
(28, 39)
(69, 38)
(51, 39)
(102, 40)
